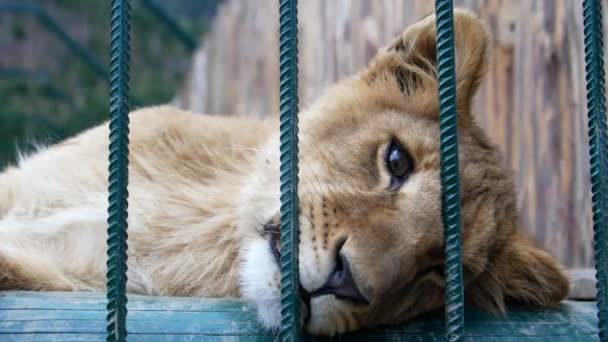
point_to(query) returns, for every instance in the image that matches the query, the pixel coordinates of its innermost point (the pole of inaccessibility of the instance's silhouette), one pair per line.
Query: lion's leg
(63, 250)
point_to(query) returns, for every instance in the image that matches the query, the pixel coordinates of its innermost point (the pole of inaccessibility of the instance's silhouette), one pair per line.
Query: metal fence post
(118, 172)
(598, 150)
(290, 283)
(450, 182)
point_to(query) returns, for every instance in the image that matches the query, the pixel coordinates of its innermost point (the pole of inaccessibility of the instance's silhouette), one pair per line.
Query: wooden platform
(32, 316)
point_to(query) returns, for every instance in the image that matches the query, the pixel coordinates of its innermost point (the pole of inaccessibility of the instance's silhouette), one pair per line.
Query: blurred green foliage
(63, 96)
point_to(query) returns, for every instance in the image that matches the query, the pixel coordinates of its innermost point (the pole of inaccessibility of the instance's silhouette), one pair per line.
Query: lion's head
(371, 241)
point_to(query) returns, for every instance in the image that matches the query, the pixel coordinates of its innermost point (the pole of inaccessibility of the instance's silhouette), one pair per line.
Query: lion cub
(204, 201)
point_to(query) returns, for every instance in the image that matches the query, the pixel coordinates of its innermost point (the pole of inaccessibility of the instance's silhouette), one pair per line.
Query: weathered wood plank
(33, 316)
(93, 301)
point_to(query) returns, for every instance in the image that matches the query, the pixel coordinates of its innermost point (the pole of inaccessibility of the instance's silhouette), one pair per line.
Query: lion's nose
(341, 282)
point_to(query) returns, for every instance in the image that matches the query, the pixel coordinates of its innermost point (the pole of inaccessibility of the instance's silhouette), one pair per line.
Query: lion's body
(204, 202)
(185, 177)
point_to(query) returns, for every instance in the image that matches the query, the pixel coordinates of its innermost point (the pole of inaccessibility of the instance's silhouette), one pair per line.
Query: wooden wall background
(532, 102)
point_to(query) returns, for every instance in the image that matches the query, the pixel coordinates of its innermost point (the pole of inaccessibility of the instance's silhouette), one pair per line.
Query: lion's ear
(521, 274)
(410, 60)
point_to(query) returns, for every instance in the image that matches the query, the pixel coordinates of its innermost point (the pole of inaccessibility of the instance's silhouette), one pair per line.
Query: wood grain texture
(74, 316)
(532, 102)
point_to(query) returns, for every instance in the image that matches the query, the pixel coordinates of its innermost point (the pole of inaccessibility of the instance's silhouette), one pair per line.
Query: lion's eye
(399, 164)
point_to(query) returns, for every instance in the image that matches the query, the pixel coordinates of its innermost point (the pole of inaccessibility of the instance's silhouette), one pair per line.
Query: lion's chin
(260, 285)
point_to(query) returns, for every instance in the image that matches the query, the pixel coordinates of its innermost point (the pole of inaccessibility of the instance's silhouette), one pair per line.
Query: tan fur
(202, 188)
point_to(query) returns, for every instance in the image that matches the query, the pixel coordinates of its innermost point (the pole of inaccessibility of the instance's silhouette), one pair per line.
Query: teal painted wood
(598, 150)
(36, 316)
(450, 182)
(118, 172)
(288, 69)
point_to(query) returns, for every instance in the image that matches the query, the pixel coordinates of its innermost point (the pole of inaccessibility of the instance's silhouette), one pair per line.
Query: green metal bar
(181, 34)
(598, 150)
(60, 33)
(290, 283)
(118, 172)
(450, 183)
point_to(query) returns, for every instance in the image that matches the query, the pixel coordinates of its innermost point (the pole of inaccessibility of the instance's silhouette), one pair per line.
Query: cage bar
(118, 172)
(450, 182)
(288, 69)
(598, 149)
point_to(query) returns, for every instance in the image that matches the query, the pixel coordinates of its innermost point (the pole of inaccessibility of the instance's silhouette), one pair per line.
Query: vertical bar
(118, 172)
(288, 64)
(598, 150)
(450, 183)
